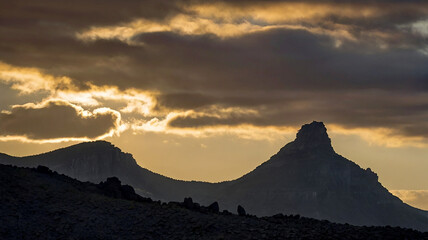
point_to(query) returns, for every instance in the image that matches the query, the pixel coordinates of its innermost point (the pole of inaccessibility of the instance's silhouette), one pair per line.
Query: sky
(208, 90)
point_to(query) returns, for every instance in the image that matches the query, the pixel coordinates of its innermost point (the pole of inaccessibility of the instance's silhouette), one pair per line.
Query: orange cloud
(134, 100)
(227, 20)
(65, 96)
(30, 80)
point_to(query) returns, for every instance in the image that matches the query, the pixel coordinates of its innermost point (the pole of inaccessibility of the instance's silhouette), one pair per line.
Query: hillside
(41, 204)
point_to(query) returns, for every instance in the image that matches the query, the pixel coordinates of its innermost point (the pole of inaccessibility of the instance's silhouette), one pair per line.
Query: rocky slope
(305, 177)
(41, 204)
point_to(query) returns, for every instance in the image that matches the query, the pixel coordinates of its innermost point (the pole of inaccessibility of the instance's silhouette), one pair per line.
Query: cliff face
(305, 177)
(92, 162)
(96, 161)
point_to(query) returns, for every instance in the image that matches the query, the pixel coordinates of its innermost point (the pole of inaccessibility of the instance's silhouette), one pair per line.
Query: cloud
(181, 24)
(57, 120)
(415, 198)
(352, 22)
(128, 100)
(184, 100)
(30, 80)
(242, 131)
(279, 56)
(393, 119)
(82, 13)
(34, 80)
(182, 66)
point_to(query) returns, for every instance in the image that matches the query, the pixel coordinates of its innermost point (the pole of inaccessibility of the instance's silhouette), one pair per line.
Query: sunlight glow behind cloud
(143, 103)
(228, 20)
(29, 80)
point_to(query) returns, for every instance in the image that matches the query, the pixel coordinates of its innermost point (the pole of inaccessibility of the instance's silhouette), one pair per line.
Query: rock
(111, 187)
(225, 212)
(188, 203)
(214, 207)
(113, 180)
(128, 192)
(196, 206)
(43, 169)
(241, 211)
(313, 135)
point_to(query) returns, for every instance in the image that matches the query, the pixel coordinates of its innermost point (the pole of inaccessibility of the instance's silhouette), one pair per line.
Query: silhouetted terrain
(305, 177)
(41, 204)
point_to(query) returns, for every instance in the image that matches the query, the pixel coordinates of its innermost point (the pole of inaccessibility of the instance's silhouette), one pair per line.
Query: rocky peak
(88, 161)
(313, 136)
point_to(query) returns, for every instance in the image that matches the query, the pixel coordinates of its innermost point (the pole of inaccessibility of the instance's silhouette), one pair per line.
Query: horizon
(208, 91)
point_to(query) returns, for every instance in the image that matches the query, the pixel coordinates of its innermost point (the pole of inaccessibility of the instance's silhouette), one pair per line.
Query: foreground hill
(305, 177)
(41, 204)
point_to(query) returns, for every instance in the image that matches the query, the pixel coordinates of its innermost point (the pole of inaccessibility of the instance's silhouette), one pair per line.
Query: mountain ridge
(305, 177)
(104, 145)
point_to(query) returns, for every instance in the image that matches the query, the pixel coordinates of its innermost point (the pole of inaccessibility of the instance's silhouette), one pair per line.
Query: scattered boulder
(225, 212)
(188, 203)
(128, 192)
(197, 206)
(241, 211)
(175, 204)
(43, 169)
(214, 208)
(111, 187)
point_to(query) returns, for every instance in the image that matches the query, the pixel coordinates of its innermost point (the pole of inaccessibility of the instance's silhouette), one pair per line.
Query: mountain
(305, 177)
(41, 204)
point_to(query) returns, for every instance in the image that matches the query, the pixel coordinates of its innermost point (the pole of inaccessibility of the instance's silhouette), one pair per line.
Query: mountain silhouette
(305, 177)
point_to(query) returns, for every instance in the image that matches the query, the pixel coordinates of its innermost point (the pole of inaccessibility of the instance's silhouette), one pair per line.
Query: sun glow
(136, 101)
(30, 80)
(228, 20)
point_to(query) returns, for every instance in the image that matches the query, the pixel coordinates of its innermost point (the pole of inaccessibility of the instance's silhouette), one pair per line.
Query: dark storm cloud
(55, 120)
(44, 33)
(278, 59)
(185, 101)
(81, 13)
